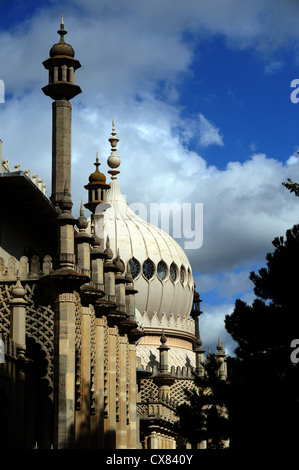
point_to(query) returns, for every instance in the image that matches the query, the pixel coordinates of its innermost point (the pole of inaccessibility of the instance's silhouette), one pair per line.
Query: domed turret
(61, 66)
(160, 269)
(97, 188)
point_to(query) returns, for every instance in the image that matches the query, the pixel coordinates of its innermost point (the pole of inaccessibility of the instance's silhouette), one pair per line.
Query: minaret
(62, 89)
(64, 281)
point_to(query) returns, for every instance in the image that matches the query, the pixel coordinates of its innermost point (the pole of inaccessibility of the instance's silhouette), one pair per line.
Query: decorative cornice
(173, 325)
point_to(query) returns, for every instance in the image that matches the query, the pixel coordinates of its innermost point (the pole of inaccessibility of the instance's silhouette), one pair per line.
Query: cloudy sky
(201, 97)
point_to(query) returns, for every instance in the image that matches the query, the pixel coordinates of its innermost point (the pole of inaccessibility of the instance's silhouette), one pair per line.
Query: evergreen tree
(204, 416)
(264, 407)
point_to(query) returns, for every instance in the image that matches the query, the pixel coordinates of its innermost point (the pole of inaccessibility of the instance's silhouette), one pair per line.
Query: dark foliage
(200, 416)
(264, 405)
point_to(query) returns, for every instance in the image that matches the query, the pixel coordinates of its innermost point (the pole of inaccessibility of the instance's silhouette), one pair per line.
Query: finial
(108, 252)
(118, 263)
(220, 348)
(62, 31)
(97, 162)
(81, 209)
(163, 338)
(82, 221)
(129, 276)
(113, 160)
(18, 290)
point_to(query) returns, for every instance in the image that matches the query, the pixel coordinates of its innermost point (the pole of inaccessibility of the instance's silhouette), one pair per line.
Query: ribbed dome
(97, 177)
(161, 271)
(62, 48)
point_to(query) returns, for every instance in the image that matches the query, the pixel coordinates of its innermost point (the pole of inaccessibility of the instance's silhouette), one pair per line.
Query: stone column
(122, 428)
(97, 257)
(64, 372)
(98, 418)
(153, 440)
(163, 349)
(61, 149)
(83, 242)
(133, 434)
(199, 357)
(18, 335)
(83, 415)
(18, 316)
(110, 431)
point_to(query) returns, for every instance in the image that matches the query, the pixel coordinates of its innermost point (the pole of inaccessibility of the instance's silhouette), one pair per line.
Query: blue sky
(200, 93)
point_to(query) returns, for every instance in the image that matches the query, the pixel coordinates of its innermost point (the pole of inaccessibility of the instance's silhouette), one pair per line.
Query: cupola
(97, 188)
(61, 66)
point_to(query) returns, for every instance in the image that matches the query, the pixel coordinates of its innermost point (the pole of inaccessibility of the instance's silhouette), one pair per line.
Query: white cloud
(212, 326)
(133, 57)
(208, 133)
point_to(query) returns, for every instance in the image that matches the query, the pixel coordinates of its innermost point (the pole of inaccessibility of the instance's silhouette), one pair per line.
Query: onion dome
(161, 273)
(62, 48)
(97, 176)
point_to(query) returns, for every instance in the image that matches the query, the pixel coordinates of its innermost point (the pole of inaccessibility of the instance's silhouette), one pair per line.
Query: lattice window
(148, 390)
(178, 389)
(5, 298)
(40, 322)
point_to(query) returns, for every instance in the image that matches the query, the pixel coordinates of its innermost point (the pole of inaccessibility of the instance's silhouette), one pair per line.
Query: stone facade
(77, 372)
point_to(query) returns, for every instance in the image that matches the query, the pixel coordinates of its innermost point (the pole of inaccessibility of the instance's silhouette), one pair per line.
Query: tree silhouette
(264, 407)
(204, 416)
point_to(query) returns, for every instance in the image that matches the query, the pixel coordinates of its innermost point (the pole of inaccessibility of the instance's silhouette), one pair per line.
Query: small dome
(97, 176)
(62, 48)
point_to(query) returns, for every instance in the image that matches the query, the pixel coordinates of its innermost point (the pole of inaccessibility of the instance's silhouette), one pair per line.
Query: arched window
(134, 267)
(173, 272)
(148, 269)
(182, 274)
(162, 270)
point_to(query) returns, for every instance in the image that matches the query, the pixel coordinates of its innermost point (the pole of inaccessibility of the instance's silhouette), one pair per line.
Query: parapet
(4, 168)
(27, 269)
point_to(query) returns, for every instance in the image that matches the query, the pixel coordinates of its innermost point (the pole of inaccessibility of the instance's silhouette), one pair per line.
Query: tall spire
(62, 31)
(113, 160)
(61, 88)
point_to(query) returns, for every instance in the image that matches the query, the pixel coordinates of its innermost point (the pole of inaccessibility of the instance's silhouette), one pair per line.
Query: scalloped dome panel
(157, 259)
